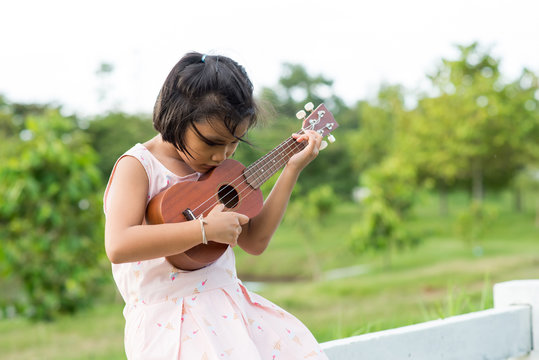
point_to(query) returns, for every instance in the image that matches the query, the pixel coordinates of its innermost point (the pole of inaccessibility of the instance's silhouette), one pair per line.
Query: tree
(9, 129)
(379, 123)
(51, 217)
(471, 131)
(308, 214)
(114, 133)
(391, 193)
(297, 87)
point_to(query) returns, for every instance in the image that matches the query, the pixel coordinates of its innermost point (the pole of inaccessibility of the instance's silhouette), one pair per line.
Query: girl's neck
(167, 155)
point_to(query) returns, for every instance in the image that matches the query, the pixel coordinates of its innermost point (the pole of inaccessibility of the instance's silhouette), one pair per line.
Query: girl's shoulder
(128, 171)
(142, 154)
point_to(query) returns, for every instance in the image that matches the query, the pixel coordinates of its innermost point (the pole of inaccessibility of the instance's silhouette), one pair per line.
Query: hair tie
(203, 58)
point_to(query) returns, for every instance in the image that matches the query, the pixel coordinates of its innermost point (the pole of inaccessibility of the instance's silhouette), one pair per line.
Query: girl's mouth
(207, 168)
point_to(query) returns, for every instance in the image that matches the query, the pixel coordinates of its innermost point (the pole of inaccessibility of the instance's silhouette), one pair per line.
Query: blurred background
(429, 196)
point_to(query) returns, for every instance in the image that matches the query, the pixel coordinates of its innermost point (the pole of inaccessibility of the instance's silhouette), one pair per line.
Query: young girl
(204, 109)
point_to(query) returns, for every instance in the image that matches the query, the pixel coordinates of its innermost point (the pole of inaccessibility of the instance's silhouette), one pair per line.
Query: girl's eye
(215, 144)
(219, 144)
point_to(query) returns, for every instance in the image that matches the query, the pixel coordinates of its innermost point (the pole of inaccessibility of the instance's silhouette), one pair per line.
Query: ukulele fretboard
(264, 168)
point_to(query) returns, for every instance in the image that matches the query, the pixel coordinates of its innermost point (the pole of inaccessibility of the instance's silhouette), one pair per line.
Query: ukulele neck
(264, 168)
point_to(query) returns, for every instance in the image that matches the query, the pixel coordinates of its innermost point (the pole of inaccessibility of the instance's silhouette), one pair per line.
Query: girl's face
(219, 144)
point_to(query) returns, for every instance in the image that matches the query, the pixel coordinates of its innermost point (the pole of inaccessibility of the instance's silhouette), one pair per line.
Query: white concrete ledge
(493, 334)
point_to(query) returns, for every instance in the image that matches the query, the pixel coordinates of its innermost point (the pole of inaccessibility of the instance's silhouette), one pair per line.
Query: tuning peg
(309, 106)
(331, 138)
(301, 114)
(323, 145)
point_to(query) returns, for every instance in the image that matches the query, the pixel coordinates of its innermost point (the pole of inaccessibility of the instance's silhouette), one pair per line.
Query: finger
(311, 135)
(314, 135)
(300, 137)
(314, 140)
(243, 219)
(317, 139)
(217, 209)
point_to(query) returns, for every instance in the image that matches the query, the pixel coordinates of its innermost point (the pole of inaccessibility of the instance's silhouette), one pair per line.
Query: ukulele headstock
(320, 120)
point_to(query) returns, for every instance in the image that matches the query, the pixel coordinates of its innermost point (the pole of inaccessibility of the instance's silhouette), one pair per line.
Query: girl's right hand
(224, 226)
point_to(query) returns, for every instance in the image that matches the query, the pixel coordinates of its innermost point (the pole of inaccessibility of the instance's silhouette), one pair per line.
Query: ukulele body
(225, 184)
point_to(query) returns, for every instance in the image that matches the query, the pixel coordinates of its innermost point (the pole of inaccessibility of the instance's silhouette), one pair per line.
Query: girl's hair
(202, 87)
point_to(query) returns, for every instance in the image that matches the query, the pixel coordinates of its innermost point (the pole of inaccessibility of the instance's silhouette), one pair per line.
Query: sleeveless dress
(205, 314)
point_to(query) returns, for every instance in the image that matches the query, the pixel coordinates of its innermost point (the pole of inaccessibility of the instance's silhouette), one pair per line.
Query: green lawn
(443, 276)
(92, 334)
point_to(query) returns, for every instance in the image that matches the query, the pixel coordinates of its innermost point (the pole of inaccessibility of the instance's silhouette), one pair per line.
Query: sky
(51, 50)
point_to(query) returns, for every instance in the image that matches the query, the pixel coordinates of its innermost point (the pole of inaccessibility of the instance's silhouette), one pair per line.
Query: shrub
(51, 218)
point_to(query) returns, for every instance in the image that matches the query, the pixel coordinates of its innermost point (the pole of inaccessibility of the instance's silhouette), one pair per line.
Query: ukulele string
(246, 180)
(250, 189)
(310, 127)
(290, 146)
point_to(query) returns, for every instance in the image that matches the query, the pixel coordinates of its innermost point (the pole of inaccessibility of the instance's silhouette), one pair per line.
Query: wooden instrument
(232, 184)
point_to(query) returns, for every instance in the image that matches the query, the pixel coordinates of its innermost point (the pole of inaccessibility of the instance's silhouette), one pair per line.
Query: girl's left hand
(305, 156)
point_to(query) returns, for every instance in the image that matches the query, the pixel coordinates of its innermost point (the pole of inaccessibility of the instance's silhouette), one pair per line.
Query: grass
(441, 277)
(95, 334)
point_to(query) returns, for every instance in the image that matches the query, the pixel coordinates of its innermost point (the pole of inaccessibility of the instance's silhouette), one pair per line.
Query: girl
(204, 109)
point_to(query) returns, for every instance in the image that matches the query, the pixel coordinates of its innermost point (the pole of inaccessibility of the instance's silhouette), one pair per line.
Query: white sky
(50, 50)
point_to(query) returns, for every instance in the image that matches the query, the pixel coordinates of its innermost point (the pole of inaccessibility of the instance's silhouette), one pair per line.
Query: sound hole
(228, 196)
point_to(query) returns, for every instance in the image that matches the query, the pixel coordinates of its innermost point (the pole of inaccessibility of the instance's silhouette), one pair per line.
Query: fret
(264, 168)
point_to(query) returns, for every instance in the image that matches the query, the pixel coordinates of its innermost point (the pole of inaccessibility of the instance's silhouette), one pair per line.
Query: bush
(392, 190)
(472, 222)
(50, 217)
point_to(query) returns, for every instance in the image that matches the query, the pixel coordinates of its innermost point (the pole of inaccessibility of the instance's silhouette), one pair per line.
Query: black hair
(203, 88)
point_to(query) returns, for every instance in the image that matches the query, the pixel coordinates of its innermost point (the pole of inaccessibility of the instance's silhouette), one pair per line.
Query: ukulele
(232, 184)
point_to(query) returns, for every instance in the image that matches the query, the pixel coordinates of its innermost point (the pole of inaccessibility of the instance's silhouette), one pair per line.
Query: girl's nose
(219, 156)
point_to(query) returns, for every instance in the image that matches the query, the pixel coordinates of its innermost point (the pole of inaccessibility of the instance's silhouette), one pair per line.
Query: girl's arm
(128, 239)
(257, 233)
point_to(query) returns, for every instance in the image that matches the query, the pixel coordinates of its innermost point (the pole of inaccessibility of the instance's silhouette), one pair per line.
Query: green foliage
(297, 87)
(394, 181)
(322, 200)
(114, 133)
(332, 167)
(300, 87)
(314, 207)
(308, 214)
(474, 221)
(392, 190)
(527, 180)
(478, 129)
(51, 218)
(379, 127)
